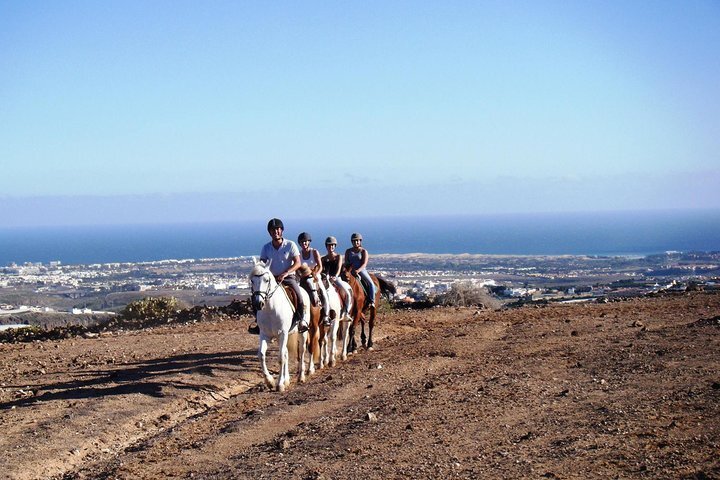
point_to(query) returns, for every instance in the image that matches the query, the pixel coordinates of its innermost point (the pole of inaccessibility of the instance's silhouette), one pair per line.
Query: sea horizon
(578, 233)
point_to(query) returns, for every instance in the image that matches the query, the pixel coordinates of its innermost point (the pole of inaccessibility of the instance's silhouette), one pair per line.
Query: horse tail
(315, 344)
(387, 289)
(292, 344)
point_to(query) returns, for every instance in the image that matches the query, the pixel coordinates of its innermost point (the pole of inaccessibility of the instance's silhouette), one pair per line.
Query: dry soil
(626, 389)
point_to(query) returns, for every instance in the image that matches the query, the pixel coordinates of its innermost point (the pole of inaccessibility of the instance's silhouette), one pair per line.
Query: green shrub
(152, 307)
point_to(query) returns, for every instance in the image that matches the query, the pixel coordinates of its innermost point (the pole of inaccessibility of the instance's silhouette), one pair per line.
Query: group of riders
(286, 259)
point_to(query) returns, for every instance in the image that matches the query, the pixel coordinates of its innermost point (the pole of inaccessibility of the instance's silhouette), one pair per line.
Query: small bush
(467, 294)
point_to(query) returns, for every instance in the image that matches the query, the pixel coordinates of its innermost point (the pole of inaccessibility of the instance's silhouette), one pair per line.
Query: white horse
(274, 317)
(340, 323)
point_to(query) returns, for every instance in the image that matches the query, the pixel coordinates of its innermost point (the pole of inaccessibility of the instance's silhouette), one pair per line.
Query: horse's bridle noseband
(267, 294)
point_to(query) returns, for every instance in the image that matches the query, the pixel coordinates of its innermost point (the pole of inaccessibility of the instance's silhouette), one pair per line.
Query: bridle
(267, 294)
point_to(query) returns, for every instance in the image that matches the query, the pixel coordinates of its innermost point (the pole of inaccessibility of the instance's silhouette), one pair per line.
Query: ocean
(620, 233)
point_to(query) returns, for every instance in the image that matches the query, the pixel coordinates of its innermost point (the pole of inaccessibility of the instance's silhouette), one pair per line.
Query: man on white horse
(284, 257)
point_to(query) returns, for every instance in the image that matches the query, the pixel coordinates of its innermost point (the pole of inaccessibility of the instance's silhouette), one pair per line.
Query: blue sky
(124, 111)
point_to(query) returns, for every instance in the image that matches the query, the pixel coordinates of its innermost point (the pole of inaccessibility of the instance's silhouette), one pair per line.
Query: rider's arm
(318, 268)
(295, 265)
(365, 258)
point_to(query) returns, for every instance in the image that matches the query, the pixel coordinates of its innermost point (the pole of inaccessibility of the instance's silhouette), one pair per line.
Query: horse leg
(352, 345)
(323, 349)
(344, 328)
(312, 348)
(363, 338)
(302, 341)
(262, 350)
(371, 326)
(284, 378)
(332, 343)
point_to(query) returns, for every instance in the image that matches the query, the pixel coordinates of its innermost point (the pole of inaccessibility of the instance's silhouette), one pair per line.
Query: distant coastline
(602, 234)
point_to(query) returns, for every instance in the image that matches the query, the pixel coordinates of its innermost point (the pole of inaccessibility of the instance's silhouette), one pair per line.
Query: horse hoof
(370, 348)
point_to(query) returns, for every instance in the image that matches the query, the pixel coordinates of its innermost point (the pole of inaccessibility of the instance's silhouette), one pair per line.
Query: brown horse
(361, 307)
(315, 329)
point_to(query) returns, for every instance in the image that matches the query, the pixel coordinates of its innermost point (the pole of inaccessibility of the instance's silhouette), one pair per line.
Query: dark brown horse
(362, 310)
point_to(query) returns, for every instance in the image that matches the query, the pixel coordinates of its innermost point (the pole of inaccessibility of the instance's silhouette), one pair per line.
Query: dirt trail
(628, 389)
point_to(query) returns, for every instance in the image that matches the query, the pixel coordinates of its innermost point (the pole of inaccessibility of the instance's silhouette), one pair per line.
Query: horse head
(262, 283)
(346, 272)
(325, 280)
(308, 282)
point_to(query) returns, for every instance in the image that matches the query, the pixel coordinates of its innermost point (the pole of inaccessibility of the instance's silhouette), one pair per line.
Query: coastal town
(37, 288)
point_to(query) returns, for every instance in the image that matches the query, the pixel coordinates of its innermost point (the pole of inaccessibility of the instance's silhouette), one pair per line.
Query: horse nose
(258, 304)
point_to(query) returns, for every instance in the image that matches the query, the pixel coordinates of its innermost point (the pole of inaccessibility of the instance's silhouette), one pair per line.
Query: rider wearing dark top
(357, 257)
(331, 266)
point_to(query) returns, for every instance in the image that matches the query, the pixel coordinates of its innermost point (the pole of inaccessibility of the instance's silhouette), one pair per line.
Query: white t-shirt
(282, 258)
(310, 262)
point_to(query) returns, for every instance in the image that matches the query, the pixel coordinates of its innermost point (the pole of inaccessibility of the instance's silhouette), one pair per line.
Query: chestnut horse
(361, 307)
(315, 330)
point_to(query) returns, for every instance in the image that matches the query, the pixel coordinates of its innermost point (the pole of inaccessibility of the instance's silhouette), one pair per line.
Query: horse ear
(267, 265)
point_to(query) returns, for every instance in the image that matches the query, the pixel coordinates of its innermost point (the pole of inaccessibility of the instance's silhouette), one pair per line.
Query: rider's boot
(299, 321)
(326, 321)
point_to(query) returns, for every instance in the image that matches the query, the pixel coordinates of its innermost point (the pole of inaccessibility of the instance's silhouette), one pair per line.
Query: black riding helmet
(275, 223)
(304, 237)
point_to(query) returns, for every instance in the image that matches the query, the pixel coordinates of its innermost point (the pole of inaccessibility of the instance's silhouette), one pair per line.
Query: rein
(267, 294)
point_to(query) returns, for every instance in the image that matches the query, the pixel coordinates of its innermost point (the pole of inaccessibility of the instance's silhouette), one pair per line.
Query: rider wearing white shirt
(285, 256)
(311, 257)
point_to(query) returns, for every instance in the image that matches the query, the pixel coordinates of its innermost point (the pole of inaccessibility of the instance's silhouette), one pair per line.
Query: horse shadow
(147, 377)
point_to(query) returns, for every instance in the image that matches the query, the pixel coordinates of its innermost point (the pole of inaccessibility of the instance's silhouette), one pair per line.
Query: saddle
(291, 295)
(341, 295)
(305, 275)
(365, 287)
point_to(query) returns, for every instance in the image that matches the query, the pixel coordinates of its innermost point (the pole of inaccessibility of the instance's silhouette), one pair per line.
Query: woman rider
(357, 257)
(331, 266)
(311, 258)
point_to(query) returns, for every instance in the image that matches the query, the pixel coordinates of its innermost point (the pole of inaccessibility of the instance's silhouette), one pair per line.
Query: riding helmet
(304, 237)
(330, 241)
(355, 236)
(275, 223)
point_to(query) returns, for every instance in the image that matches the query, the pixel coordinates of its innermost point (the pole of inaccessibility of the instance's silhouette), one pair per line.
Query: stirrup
(254, 329)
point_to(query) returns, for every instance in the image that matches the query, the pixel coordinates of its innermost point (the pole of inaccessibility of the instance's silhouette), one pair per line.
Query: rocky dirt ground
(627, 389)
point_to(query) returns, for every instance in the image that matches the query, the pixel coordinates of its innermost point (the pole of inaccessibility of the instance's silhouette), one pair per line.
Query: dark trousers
(292, 282)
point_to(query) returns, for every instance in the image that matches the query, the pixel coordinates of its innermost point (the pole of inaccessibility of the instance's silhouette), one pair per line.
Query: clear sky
(117, 111)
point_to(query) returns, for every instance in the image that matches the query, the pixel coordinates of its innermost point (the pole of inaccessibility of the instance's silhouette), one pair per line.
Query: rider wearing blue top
(357, 257)
(285, 256)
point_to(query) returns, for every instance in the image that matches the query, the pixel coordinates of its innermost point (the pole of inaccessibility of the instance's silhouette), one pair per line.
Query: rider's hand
(280, 277)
